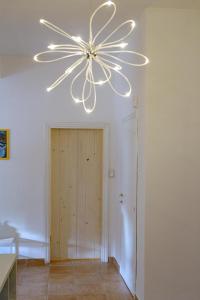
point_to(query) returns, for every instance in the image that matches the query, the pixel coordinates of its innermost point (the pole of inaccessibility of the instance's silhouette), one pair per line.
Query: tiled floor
(71, 281)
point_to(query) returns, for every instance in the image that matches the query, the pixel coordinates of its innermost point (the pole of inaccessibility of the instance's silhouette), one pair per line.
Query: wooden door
(76, 193)
(129, 173)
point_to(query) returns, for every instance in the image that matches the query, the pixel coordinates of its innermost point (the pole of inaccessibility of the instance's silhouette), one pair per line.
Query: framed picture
(4, 144)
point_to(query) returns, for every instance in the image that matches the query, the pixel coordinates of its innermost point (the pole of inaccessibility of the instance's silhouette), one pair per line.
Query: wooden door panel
(76, 193)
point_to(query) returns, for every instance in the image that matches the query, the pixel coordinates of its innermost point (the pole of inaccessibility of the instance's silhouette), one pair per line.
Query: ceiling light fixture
(91, 53)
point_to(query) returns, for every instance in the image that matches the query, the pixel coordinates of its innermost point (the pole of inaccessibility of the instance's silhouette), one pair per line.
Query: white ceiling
(185, 4)
(21, 33)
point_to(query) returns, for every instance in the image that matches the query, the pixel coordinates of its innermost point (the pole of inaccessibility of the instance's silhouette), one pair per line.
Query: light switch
(111, 173)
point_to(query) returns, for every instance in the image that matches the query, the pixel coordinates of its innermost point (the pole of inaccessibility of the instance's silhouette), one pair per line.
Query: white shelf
(7, 277)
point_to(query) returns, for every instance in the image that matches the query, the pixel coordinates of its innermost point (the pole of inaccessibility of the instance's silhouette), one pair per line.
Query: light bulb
(147, 61)
(51, 46)
(42, 21)
(76, 100)
(100, 82)
(35, 58)
(133, 24)
(77, 38)
(128, 94)
(117, 68)
(68, 71)
(88, 111)
(49, 89)
(123, 45)
(109, 3)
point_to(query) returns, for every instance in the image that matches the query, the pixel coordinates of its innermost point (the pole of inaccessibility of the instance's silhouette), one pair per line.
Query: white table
(7, 277)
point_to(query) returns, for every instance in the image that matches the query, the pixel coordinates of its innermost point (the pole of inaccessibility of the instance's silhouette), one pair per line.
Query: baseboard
(30, 262)
(113, 261)
(76, 259)
(41, 262)
(81, 260)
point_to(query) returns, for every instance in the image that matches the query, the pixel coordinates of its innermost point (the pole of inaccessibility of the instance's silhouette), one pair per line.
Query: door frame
(105, 180)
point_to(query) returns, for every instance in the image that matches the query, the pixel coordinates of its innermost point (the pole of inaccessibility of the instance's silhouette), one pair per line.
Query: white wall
(0, 67)
(26, 108)
(172, 148)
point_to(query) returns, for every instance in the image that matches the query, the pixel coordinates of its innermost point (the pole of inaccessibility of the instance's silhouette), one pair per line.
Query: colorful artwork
(4, 144)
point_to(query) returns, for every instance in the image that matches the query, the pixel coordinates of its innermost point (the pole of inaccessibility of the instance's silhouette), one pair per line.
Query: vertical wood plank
(55, 193)
(69, 199)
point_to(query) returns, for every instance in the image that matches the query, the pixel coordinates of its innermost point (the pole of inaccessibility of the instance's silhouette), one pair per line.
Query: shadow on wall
(9, 238)
(11, 65)
(12, 242)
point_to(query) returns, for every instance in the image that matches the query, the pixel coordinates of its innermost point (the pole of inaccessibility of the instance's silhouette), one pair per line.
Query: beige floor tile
(87, 278)
(61, 289)
(92, 297)
(115, 287)
(32, 297)
(89, 289)
(116, 296)
(62, 297)
(32, 289)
